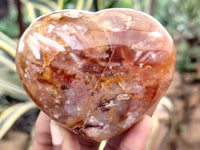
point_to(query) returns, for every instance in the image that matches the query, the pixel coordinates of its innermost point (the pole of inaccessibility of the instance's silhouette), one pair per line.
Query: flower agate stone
(96, 74)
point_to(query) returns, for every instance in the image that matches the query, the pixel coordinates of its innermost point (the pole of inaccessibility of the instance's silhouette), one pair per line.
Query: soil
(184, 93)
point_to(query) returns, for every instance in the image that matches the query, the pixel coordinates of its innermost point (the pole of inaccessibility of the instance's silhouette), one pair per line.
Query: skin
(47, 136)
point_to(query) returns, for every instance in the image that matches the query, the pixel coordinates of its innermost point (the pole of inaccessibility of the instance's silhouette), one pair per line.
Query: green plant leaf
(7, 62)
(102, 4)
(31, 12)
(13, 90)
(60, 4)
(45, 6)
(102, 144)
(88, 4)
(84, 4)
(12, 114)
(3, 108)
(9, 24)
(7, 45)
(184, 62)
(80, 4)
(124, 4)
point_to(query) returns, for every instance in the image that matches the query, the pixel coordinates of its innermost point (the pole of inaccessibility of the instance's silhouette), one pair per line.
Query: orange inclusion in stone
(96, 73)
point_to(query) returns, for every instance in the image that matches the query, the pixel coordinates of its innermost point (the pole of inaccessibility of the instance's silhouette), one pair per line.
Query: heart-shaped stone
(96, 73)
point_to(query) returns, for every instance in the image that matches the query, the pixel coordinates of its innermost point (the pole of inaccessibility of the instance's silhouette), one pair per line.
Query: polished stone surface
(96, 73)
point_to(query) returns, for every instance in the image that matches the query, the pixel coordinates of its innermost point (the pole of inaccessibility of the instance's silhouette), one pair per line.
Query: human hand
(48, 136)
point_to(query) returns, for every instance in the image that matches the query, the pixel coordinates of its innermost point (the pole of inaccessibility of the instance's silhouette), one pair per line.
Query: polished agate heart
(96, 73)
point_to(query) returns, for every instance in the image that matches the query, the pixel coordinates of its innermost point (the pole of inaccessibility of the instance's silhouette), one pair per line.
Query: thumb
(63, 139)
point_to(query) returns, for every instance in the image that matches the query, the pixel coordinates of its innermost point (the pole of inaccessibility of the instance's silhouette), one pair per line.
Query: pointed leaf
(7, 45)
(13, 90)
(7, 62)
(12, 114)
(42, 5)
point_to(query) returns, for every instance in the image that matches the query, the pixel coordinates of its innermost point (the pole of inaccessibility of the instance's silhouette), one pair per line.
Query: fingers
(63, 139)
(87, 144)
(48, 132)
(136, 138)
(152, 109)
(42, 137)
(49, 135)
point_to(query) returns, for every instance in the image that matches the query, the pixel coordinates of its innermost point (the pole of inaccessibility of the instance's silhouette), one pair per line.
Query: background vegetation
(180, 17)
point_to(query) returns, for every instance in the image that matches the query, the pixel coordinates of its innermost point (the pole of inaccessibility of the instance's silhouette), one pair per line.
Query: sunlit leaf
(60, 4)
(12, 114)
(7, 62)
(3, 108)
(124, 4)
(13, 90)
(79, 4)
(88, 4)
(31, 12)
(42, 5)
(102, 4)
(7, 45)
(102, 145)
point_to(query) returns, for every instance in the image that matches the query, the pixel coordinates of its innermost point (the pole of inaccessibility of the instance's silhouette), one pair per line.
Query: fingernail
(57, 136)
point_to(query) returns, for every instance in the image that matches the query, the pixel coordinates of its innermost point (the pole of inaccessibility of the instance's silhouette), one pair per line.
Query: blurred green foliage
(184, 62)
(8, 24)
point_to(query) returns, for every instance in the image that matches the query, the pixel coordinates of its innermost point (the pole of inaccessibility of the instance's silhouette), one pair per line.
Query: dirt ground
(184, 93)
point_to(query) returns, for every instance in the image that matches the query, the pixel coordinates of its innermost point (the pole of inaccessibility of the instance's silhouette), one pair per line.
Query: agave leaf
(165, 105)
(155, 130)
(9, 81)
(60, 4)
(7, 45)
(13, 90)
(8, 75)
(31, 12)
(100, 4)
(10, 116)
(7, 62)
(102, 144)
(3, 108)
(32, 134)
(42, 5)
(88, 4)
(79, 4)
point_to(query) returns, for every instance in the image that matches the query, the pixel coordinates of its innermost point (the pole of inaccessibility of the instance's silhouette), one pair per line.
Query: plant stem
(20, 17)
(150, 8)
